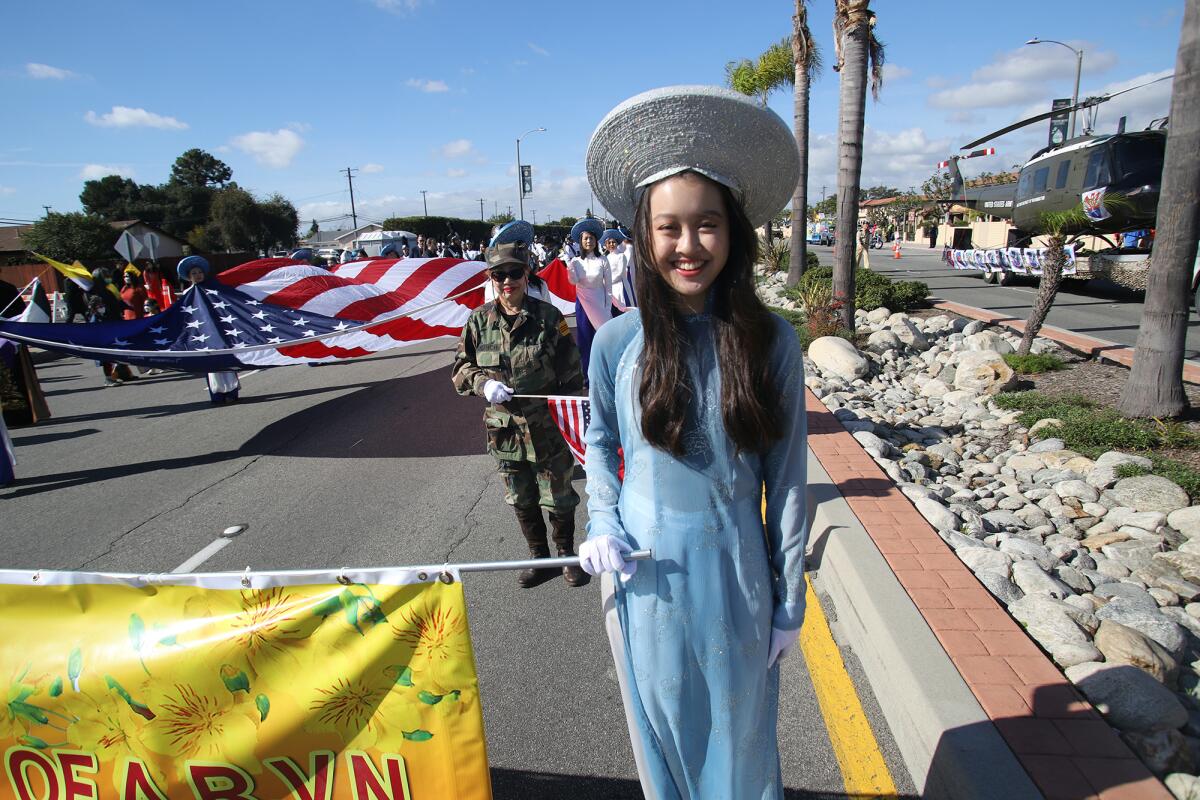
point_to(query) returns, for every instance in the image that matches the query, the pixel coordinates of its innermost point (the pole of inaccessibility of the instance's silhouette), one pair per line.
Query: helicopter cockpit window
(1064, 169)
(1024, 184)
(1098, 171)
(1139, 157)
(1040, 179)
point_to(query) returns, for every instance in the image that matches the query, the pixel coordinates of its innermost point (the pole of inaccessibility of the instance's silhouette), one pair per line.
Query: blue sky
(431, 94)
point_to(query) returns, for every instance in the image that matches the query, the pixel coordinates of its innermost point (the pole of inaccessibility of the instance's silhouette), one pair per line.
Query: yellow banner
(141, 692)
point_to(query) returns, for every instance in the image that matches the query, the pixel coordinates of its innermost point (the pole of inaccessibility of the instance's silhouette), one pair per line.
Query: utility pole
(481, 209)
(353, 213)
(47, 210)
(424, 202)
(533, 211)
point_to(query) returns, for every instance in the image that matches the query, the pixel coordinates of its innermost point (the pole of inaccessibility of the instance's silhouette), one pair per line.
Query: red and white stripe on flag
(572, 415)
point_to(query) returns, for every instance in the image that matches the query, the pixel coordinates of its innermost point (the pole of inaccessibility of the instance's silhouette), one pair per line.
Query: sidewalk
(1059, 740)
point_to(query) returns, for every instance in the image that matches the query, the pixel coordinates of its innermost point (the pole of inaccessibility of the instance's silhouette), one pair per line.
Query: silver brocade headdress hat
(716, 132)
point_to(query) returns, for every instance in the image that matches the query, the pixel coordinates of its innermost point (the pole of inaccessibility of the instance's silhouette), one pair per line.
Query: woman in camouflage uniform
(521, 345)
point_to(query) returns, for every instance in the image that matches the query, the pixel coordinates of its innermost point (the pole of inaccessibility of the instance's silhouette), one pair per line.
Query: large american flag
(573, 415)
(277, 311)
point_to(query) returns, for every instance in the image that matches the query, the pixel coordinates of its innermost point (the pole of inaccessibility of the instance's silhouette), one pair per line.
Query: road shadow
(417, 416)
(43, 438)
(516, 784)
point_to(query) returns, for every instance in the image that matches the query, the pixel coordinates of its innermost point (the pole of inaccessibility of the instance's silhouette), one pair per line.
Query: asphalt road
(1086, 308)
(368, 463)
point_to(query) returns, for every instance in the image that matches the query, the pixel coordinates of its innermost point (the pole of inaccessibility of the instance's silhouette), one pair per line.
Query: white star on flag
(227, 320)
(157, 329)
(239, 345)
(194, 324)
(260, 315)
(274, 340)
(267, 328)
(301, 321)
(203, 338)
(232, 332)
(220, 304)
(120, 343)
(341, 326)
(162, 342)
(310, 333)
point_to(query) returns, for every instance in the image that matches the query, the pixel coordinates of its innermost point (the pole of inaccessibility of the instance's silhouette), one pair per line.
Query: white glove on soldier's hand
(781, 644)
(606, 553)
(497, 392)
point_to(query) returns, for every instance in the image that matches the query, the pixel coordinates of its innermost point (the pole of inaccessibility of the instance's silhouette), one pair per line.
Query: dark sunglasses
(498, 275)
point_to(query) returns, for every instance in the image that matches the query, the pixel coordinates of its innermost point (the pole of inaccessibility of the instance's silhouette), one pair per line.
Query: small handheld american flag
(572, 414)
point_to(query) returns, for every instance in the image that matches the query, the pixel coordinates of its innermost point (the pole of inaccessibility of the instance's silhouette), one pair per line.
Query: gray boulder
(1128, 697)
(984, 372)
(1151, 623)
(1186, 521)
(1150, 493)
(1033, 580)
(835, 356)
(1123, 645)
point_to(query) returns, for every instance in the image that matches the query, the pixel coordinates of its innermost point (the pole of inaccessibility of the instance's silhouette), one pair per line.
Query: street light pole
(425, 202)
(1078, 73)
(520, 178)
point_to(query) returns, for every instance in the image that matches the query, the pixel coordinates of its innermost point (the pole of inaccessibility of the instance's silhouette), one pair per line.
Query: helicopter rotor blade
(1087, 102)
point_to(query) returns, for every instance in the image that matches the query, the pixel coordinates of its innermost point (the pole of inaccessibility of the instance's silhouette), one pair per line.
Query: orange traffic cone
(895, 249)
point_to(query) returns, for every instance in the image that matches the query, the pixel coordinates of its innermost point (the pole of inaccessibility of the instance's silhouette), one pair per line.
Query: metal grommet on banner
(37, 576)
(342, 579)
(421, 576)
(446, 577)
(246, 578)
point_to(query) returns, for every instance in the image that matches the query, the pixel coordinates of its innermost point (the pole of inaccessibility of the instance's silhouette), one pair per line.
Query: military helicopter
(1081, 169)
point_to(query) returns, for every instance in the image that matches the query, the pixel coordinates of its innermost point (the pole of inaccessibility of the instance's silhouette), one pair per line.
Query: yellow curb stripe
(864, 772)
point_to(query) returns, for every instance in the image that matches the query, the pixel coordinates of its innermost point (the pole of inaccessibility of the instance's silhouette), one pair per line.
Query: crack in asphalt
(112, 546)
(466, 519)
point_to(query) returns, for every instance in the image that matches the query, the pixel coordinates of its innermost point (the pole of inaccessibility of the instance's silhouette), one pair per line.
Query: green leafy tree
(1155, 384)
(112, 197)
(279, 222)
(500, 219)
(937, 186)
(857, 50)
(773, 70)
(198, 168)
(234, 219)
(66, 237)
(313, 229)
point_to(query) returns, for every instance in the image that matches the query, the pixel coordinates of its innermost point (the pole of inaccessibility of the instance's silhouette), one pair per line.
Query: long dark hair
(743, 329)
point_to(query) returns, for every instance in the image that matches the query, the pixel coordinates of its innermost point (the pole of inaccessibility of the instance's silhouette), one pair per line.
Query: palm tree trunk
(1155, 384)
(852, 116)
(1052, 270)
(799, 256)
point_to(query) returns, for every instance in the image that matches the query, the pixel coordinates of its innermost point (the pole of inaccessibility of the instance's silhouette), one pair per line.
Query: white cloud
(894, 72)
(901, 159)
(272, 149)
(459, 148)
(520, 62)
(1140, 106)
(47, 72)
(370, 169)
(1021, 76)
(7, 190)
(397, 6)
(541, 51)
(126, 117)
(455, 172)
(426, 85)
(92, 172)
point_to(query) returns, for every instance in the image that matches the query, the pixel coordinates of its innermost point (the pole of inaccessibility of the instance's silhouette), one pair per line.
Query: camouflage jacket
(536, 355)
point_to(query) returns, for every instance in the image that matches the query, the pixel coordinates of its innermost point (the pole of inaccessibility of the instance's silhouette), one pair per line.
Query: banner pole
(535, 563)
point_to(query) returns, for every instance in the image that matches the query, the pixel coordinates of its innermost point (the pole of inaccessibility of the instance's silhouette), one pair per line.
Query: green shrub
(1091, 430)
(799, 322)
(1032, 364)
(871, 289)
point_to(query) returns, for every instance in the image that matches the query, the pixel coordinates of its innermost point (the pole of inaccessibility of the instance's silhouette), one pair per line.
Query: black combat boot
(533, 528)
(564, 541)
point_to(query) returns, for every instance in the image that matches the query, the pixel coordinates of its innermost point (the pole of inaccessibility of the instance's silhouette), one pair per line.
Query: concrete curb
(949, 744)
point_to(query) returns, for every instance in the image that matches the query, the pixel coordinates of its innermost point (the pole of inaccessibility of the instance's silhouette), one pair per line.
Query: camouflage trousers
(547, 484)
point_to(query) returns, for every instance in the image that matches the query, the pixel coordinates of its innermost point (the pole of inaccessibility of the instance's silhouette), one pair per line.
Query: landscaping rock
(838, 357)
(1150, 493)
(1123, 645)
(1186, 521)
(940, 517)
(1161, 751)
(1128, 697)
(1032, 579)
(984, 372)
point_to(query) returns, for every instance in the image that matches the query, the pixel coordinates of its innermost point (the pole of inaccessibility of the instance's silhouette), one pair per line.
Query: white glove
(497, 392)
(781, 644)
(604, 554)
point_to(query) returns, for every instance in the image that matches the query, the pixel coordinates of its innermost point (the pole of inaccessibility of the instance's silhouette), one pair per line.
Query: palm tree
(1155, 384)
(773, 69)
(807, 61)
(856, 47)
(1055, 223)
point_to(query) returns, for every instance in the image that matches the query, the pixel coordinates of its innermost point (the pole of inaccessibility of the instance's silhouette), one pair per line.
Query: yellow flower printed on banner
(201, 720)
(362, 707)
(251, 628)
(431, 637)
(28, 717)
(106, 725)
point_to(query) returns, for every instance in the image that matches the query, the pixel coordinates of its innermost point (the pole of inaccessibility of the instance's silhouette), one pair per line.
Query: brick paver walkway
(1066, 747)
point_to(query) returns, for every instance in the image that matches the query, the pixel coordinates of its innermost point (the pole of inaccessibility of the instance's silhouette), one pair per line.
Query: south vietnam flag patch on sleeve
(563, 328)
